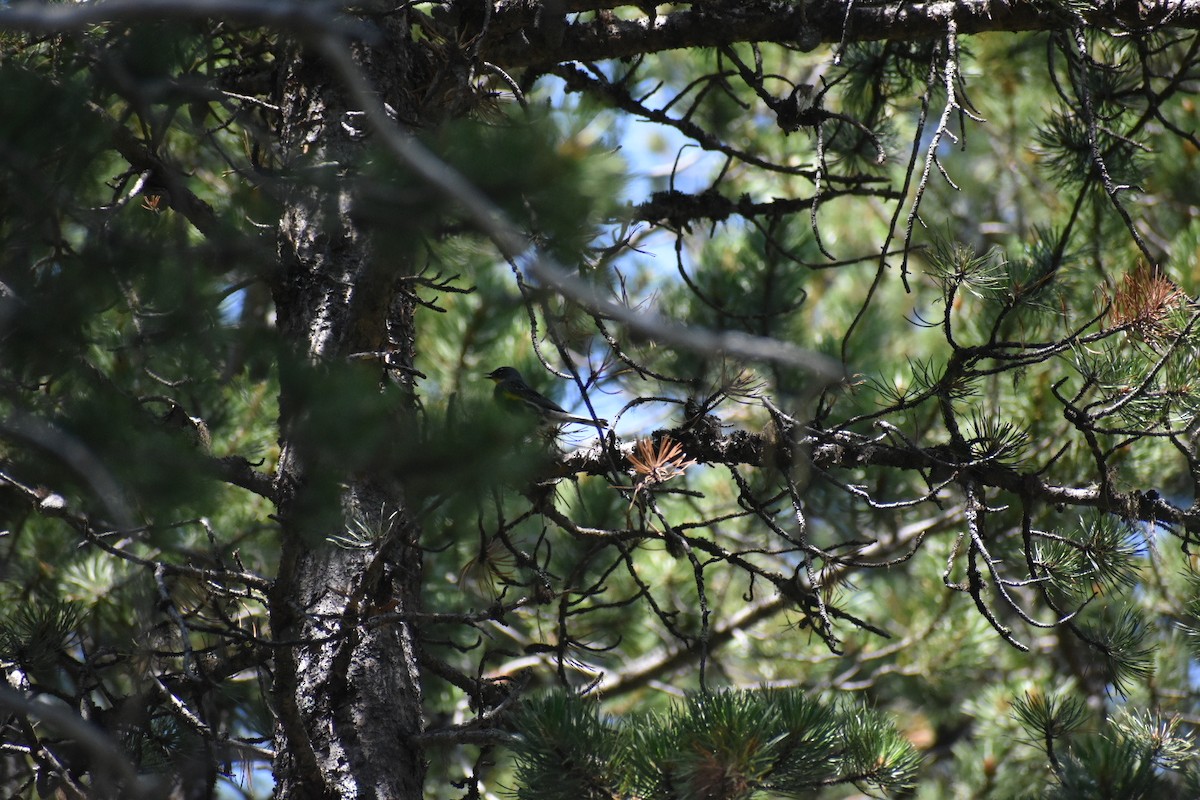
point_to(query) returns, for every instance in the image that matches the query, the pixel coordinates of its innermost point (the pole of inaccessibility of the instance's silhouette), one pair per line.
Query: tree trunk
(346, 695)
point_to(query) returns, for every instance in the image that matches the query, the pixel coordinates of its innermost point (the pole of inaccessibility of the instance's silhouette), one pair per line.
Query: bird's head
(504, 374)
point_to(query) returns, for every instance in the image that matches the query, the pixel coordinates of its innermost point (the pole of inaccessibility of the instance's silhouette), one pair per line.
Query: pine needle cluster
(727, 745)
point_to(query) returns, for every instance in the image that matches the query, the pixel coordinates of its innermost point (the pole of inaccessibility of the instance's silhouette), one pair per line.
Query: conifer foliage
(724, 744)
(889, 308)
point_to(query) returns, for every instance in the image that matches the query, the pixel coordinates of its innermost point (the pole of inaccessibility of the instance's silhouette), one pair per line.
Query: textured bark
(346, 692)
(807, 24)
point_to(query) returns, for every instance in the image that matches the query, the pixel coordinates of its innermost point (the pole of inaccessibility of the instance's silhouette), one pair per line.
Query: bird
(512, 391)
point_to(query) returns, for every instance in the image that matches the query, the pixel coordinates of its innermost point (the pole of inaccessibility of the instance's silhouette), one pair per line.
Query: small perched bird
(512, 390)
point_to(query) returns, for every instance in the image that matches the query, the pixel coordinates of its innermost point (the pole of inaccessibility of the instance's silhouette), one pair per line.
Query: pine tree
(888, 307)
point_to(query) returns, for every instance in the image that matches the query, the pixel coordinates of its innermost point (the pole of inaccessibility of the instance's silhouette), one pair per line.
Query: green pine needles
(726, 745)
(1131, 756)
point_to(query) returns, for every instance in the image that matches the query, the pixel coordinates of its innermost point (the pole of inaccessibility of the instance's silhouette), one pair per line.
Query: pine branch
(679, 209)
(832, 450)
(824, 21)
